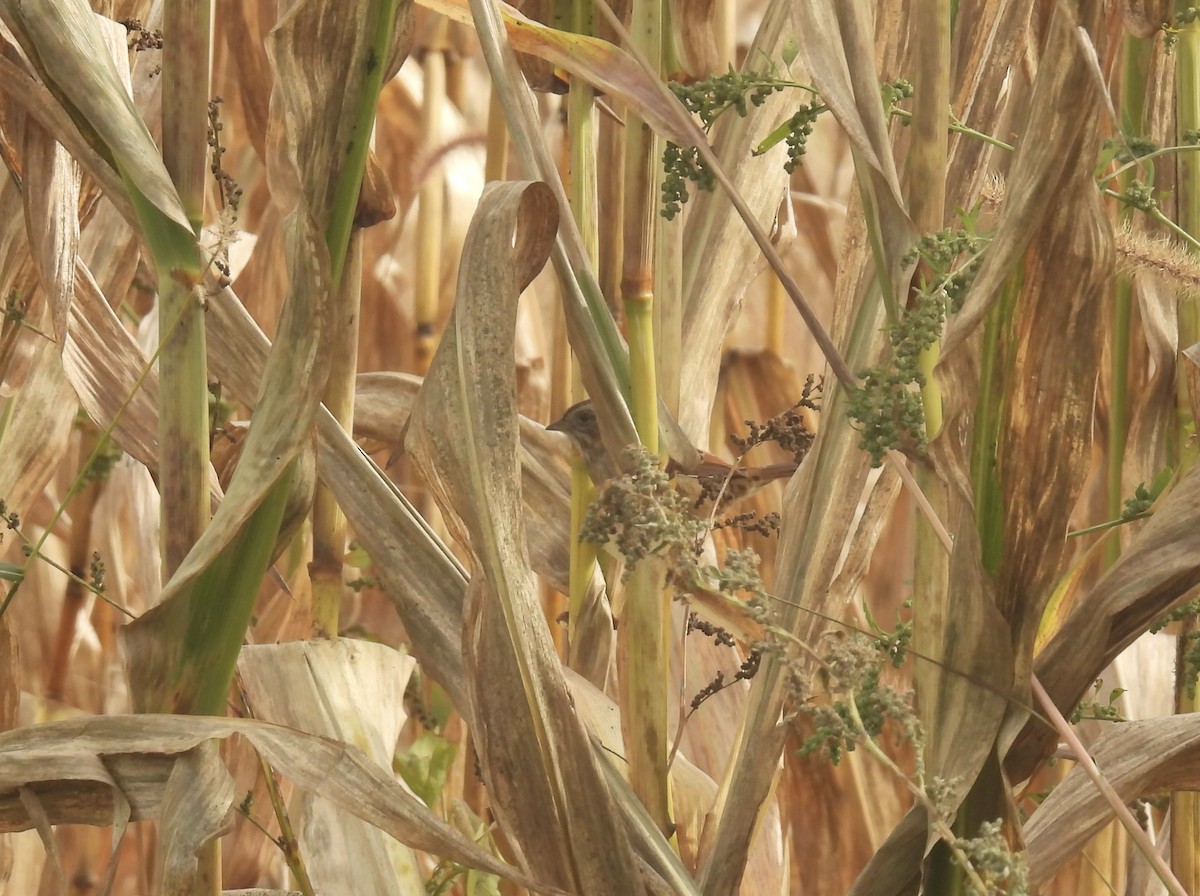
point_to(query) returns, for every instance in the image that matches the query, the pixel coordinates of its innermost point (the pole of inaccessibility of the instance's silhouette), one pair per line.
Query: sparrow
(702, 481)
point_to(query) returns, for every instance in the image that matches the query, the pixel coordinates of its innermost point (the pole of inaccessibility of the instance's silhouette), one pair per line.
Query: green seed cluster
(1142, 501)
(709, 97)
(853, 670)
(954, 257)
(888, 412)
(1094, 709)
(799, 129)
(1003, 872)
(1189, 649)
(682, 164)
(887, 407)
(642, 514)
(1140, 195)
(1177, 23)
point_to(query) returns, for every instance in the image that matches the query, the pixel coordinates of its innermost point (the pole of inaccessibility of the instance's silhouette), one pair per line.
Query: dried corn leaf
(1155, 574)
(346, 690)
(1058, 135)
(419, 573)
(694, 24)
(603, 358)
(606, 67)
(544, 779)
(1138, 759)
(988, 37)
(195, 806)
(51, 193)
(836, 42)
(109, 373)
(724, 257)
(1191, 368)
(316, 121)
(82, 771)
(35, 436)
(64, 40)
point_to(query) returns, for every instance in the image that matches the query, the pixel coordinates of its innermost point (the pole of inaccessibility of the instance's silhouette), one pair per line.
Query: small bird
(701, 482)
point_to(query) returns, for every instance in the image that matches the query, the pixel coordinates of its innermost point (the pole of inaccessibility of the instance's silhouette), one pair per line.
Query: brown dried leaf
(693, 23)
(66, 42)
(51, 193)
(988, 37)
(36, 435)
(320, 56)
(1059, 133)
(1191, 368)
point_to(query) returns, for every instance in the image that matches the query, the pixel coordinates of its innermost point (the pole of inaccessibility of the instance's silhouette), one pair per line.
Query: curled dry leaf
(543, 777)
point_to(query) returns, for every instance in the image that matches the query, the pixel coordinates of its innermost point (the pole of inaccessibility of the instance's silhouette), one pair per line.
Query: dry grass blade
(1054, 122)
(35, 436)
(1043, 454)
(195, 810)
(603, 358)
(31, 96)
(109, 372)
(51, 193)
(420, 574)
(535, 754)
(695, 30)
(603, 65)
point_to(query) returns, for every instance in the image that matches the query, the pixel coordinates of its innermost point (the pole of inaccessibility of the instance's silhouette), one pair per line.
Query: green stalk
(1185, 807)
(989, 414)
(329, 529)
(587, 646)
(1136, 57)
(643, 646)
(350, 176)
(329, 523)
(926, 192)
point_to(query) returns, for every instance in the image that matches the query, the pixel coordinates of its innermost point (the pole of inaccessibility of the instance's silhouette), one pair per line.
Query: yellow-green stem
(328, 520)
(1185, 807)
(643, 644)
(588, 647)
(430, 207)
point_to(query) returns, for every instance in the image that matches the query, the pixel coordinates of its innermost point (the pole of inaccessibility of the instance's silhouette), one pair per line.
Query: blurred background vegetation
(291, 291)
